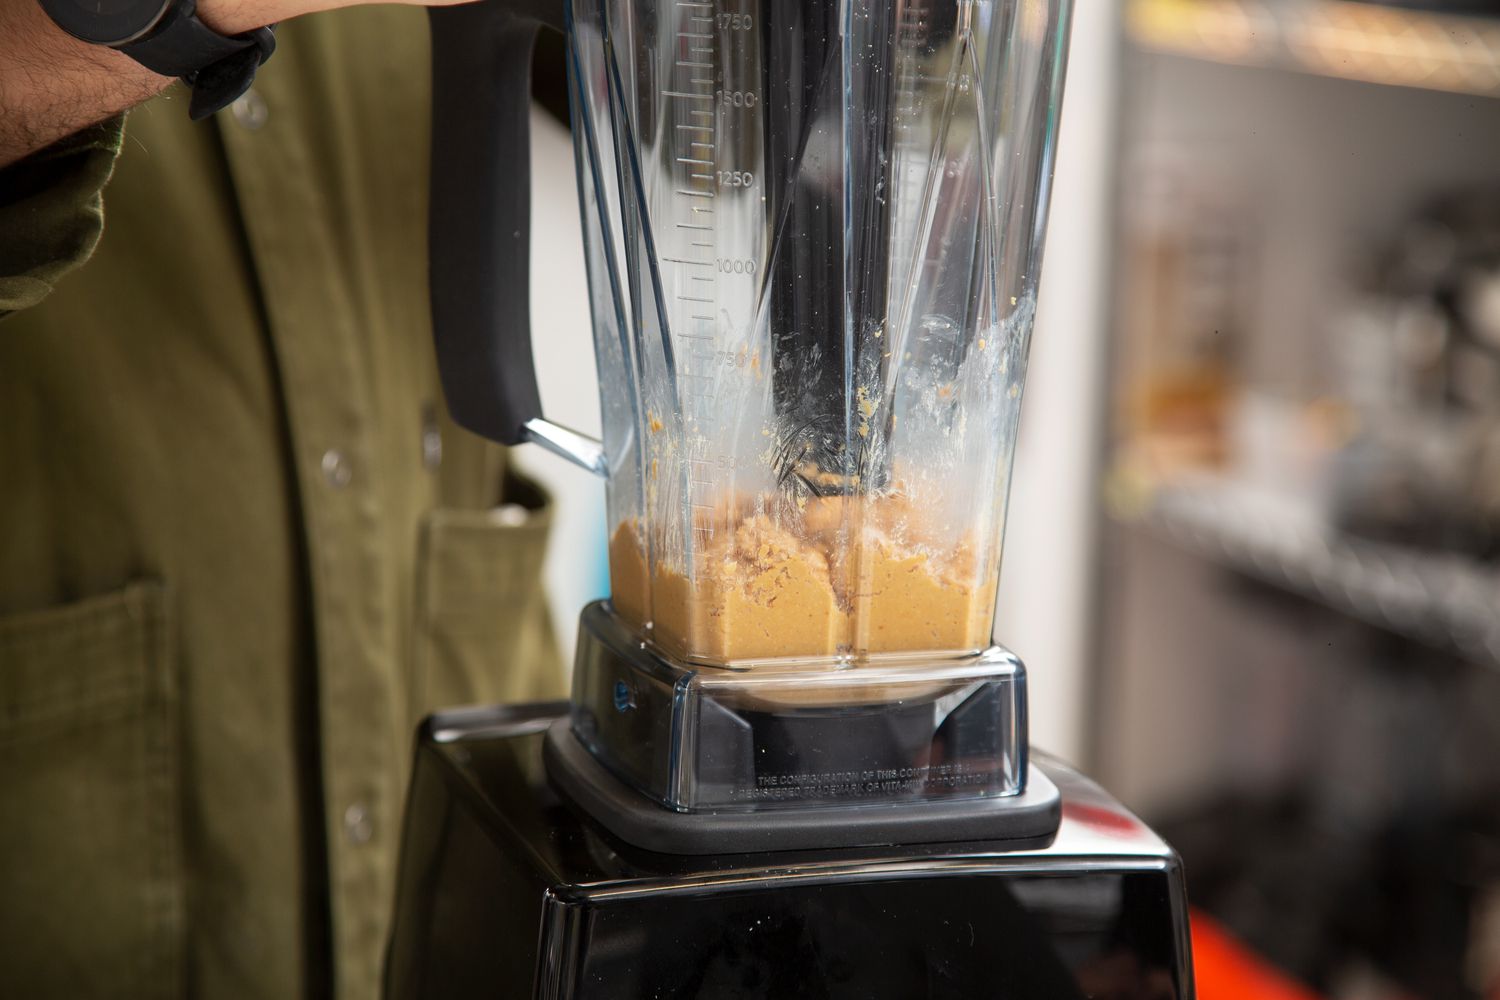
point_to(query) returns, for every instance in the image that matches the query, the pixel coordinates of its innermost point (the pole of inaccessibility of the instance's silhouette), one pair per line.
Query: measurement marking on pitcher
(694, 161)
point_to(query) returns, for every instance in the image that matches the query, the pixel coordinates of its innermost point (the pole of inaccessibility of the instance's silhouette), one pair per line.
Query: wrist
(235, 17)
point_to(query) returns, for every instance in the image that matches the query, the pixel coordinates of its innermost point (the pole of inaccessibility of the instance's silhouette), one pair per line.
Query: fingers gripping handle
(480, 221)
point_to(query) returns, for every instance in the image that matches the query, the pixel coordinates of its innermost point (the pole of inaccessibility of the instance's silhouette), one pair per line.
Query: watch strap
(218, 67)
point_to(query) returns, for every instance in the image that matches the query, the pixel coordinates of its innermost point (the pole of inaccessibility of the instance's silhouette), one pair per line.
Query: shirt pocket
(484, 633)
(90, 804)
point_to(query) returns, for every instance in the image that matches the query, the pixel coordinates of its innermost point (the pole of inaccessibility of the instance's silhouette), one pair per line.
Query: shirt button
(359, 827)
(250, 110)
(432, 439)
(336, 469)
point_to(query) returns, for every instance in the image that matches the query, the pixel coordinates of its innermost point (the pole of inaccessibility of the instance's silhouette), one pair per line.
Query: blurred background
(1252, 553)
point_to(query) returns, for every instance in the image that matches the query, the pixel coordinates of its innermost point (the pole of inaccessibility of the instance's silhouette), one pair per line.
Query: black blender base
(505, 891)
(1026, 820)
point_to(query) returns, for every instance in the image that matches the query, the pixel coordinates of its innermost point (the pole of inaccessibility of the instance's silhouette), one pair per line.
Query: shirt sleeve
(52, 212)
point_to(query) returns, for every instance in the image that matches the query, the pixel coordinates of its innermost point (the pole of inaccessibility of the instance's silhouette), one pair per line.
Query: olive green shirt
(242, 550)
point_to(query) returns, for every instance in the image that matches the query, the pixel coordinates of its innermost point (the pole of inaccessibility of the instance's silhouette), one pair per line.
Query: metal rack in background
(1445, 600)
(1340, 38)
(1278, 158)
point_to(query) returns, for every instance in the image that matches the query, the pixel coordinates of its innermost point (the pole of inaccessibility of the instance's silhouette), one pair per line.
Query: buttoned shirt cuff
(52, 211)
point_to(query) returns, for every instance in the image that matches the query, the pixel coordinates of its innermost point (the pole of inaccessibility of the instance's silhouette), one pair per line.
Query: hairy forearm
(52, 85)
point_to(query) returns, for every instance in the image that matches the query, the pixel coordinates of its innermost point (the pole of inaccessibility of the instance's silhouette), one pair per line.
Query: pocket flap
(478, 562)
(484, 630)
(67, 664)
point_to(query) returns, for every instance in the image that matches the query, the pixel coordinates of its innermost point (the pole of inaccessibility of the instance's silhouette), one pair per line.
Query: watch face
(106, 22)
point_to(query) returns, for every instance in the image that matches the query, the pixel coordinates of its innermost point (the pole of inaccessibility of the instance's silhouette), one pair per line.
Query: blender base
(1025, 820)
(507, 891)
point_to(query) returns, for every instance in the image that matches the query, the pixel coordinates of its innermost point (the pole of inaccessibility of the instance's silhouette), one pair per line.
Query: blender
(794, 762)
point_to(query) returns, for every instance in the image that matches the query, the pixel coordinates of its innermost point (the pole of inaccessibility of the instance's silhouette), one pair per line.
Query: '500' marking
(739, 98)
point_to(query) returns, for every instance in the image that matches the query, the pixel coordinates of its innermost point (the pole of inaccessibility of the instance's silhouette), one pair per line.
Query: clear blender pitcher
(813, 234)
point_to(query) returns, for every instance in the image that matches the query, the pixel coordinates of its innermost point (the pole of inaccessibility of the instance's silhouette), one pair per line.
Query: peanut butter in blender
(841, 575)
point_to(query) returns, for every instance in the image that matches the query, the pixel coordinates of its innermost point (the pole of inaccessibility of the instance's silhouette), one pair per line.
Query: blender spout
(580, 449)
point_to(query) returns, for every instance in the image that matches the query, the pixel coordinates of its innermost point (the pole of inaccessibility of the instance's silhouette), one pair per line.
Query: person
(242, 548)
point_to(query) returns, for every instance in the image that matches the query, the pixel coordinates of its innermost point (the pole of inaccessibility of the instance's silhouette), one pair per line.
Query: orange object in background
(1226, 970)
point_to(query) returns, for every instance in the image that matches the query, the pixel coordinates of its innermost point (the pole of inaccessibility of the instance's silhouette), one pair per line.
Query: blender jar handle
(479, 223)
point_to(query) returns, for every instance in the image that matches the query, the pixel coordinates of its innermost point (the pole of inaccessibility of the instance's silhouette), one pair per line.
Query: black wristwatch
(166, 37)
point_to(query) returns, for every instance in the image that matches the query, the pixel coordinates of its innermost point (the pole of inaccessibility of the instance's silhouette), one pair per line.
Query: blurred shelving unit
(1448, 601)
(1354, 41)
(1305, 368)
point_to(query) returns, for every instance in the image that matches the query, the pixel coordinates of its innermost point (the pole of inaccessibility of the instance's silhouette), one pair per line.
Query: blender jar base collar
(1024, 821)
(793, 738)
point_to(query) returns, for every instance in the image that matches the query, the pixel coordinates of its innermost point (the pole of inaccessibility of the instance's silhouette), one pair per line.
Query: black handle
(479, 223)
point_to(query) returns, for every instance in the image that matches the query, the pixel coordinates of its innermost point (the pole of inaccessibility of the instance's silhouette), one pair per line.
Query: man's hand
(52, 85)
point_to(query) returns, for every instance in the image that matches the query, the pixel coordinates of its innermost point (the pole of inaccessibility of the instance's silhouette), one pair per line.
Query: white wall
(577, 571)
(1044, 584)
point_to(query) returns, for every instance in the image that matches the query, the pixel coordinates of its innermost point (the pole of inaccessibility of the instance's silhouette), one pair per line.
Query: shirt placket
(315, 336)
